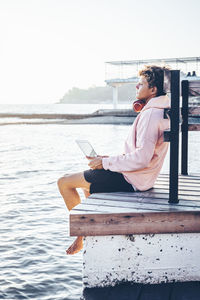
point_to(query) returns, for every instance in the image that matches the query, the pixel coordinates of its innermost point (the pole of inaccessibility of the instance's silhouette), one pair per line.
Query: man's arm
(139, 159)
(96, 163)
(146, 139)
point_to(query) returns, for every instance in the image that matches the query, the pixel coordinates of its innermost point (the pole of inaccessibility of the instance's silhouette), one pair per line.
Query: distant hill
(99, 94)
(103, 94)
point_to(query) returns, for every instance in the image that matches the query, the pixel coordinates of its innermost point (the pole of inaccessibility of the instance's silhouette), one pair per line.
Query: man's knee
(72, 181)
(63, 182)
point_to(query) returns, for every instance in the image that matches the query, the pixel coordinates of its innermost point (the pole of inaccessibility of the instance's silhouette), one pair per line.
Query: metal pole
(184, 144)
(174, 144)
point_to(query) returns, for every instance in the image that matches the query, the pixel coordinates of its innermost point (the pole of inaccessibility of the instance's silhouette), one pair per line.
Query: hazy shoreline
(74, 114)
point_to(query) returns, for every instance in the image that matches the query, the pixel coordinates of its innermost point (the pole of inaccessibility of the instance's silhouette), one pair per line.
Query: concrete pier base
(143, 258)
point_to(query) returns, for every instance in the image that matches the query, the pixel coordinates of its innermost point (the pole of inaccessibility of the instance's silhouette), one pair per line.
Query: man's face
(143, 92)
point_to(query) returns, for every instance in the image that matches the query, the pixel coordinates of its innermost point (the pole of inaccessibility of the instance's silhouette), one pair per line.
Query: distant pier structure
(126, 72)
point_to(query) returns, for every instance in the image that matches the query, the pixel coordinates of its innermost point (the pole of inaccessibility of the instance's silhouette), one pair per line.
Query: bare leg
(78, 243)
(67, 186)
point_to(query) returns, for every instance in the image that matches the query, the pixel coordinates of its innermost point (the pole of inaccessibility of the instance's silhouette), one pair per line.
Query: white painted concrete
(108, 260)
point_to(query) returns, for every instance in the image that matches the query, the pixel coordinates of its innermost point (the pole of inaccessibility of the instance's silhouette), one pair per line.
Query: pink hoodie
(144, 149)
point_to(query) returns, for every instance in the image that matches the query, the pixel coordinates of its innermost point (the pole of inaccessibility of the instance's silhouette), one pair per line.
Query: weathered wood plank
(163, 189)
(194, 88)
(194, 127)
(143, 205)
(123, 205)
(191, 127)
(148, 194)
(140, 198)
(161, 193)
(194, 110)
(183, 194)
(92, 208)
(156, 192)
(181, 181)
(190, 176)
(186, 190)
(181, 184)
(183, 188)
(134, 223)
(194, 84)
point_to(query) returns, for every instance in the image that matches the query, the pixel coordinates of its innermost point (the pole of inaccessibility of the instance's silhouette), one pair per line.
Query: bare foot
(76, 246)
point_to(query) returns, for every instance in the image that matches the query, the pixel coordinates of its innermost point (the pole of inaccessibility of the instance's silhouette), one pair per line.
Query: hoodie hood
(158, 102)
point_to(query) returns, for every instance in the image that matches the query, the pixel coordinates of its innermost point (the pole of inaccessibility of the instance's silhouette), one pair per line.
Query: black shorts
(106, 181)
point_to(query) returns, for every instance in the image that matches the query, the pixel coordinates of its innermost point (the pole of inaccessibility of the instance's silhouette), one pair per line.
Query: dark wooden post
(184, 144)
(174, 138)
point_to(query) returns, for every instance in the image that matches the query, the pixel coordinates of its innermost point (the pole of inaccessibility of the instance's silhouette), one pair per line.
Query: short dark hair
(155, 77)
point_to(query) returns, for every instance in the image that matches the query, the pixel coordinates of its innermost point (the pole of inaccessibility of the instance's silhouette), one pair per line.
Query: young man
(144, 151)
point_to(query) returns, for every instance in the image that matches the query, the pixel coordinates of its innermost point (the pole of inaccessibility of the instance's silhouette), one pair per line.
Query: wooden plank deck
(140, 212)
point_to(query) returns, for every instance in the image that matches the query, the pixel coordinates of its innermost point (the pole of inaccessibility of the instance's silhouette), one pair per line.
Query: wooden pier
(140, 212)
(139, 237)
(150, 237)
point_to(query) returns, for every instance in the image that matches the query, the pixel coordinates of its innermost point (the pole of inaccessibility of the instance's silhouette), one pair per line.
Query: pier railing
(179, 122)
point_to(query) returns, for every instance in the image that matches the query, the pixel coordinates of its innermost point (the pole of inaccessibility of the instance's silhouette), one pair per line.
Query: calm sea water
(34, 219)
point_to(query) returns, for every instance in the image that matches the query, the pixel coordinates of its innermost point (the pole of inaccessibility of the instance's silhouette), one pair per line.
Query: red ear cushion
(138, 105)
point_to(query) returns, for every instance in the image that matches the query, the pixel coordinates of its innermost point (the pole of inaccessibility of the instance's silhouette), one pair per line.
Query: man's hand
(95, 162)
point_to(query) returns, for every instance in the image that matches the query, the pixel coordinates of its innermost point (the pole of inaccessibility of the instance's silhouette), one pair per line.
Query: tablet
(86, 148)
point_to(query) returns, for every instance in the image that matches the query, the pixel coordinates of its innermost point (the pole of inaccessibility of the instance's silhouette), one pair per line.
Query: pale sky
(49, 46)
